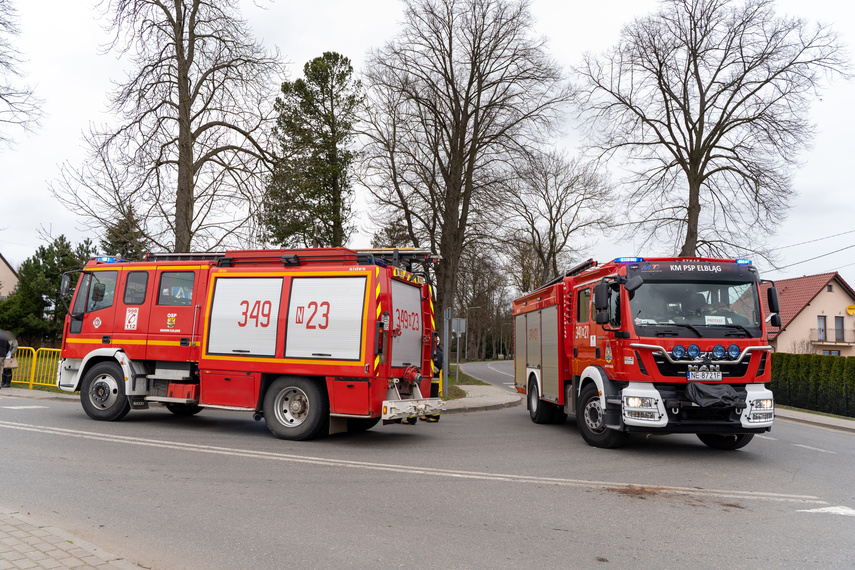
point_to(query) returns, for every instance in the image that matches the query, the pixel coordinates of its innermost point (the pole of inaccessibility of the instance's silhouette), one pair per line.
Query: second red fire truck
(657, 345)
(313, 341)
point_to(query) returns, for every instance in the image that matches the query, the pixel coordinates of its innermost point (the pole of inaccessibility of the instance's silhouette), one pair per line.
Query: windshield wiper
(740, 327)
(683, 325)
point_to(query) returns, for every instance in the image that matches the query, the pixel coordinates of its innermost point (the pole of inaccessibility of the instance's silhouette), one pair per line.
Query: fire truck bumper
(402, 409)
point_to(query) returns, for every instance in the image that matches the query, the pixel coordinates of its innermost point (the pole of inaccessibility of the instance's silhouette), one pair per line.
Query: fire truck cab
(311, 340)
(656, 345)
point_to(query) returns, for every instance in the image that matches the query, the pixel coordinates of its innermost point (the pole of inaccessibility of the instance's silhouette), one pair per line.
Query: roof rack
(402, 257)
(186, 256)
(585, 265)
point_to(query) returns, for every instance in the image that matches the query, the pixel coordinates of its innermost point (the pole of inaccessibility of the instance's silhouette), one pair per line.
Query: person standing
(5, 352)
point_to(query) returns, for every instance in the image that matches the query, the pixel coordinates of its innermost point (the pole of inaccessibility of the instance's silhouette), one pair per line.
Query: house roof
(9, 265)
(795, 294)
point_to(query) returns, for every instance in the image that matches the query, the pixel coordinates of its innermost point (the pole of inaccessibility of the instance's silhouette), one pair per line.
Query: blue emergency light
(108, 259)
(629, 260)
(743, 262)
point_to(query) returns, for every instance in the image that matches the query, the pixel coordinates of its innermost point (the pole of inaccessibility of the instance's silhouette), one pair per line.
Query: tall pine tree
(309, 195)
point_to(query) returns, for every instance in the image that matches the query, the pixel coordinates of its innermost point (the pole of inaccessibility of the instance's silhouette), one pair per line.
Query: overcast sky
(61, 41)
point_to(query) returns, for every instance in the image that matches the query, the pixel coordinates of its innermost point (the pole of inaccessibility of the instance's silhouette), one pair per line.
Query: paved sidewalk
(26, 543)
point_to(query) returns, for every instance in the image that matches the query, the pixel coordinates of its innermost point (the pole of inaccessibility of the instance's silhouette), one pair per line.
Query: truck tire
(356, 425)
(540, 412)
(296, 408)
(726, 441)
(591, 421)
(184, 410)
(102, 392)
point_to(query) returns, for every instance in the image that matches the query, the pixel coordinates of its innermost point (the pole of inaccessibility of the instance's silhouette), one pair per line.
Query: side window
(102, 290)
(79, 306)
(176, 288)
(135, 287)
(583, 306)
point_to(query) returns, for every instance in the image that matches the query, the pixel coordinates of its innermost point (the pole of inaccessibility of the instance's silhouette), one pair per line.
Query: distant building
(817, 314)
(8, 278)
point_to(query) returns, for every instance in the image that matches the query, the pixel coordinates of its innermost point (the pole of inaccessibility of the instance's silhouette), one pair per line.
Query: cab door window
(176, 288)
(135, 288)
(583, 306)
(102, 290)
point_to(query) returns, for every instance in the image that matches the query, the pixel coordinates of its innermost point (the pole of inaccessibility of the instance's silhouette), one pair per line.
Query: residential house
(817, 314)
(8, 278)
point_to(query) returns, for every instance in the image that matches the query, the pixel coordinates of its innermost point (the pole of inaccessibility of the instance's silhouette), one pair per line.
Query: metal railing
(832, 336)
(36, 367)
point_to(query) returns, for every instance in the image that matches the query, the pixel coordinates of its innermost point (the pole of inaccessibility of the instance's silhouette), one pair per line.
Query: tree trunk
(693, 213)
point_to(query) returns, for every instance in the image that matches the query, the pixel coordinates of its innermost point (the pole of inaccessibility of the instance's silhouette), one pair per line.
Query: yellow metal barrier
(36, 367)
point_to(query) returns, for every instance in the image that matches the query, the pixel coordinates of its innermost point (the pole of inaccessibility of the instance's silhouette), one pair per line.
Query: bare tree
(554, 204)
(465, 84)
(191, 152)
(18, 105)
(709, 99)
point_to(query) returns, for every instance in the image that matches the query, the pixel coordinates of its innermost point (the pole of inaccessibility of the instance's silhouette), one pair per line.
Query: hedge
(814, 382)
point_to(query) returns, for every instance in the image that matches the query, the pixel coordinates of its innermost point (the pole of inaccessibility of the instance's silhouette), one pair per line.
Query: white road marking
(845, 511)
(766, 437)
(490, 366)
(412, 470)
(814, 448)
(23, 407)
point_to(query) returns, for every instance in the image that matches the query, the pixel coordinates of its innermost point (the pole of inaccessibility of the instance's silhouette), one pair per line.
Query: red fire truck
(312, 340)
(653, 345)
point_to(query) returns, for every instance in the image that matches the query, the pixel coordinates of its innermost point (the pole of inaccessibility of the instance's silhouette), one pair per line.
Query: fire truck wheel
(726, 441)
(295, 408)
(356, 425)
(102, 392)
(540, 412)
(591, 421)
(184, 409)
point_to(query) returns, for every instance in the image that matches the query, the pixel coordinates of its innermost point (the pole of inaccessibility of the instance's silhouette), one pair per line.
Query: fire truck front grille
(679, 370)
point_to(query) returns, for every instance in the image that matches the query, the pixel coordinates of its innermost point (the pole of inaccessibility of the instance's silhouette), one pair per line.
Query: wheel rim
(594, 415)
(104, 392)
(292, 407)
(532, 398)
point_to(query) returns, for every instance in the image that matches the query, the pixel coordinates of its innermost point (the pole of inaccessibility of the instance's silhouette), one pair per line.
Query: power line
(816, 257)
(817, 239)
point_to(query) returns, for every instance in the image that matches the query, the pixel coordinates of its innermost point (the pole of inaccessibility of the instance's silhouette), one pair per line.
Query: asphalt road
(476, 490)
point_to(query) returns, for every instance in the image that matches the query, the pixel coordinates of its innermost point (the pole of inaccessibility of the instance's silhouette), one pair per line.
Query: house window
(831, 352)
(820, 328)
(829, 287)
(838, 329)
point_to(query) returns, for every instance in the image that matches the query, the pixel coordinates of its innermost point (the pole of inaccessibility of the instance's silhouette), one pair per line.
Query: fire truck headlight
(678, 351)
(718, 352)
(733, 351)
(694, 351)
(639, 402)
(763, 404)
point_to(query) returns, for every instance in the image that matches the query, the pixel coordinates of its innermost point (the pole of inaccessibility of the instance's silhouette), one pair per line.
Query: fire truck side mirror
(601, 299)
(633, 283)
(602, 318)
(64, 285)
(772, 298)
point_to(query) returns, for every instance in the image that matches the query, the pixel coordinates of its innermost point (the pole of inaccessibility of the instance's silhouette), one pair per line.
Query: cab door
(133, 307)
(585, 350)
(175, 314)
(92, 311)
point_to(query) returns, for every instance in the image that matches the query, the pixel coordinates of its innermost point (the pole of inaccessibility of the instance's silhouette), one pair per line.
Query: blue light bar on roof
(629, 260)
(743, 262)
(108, 259)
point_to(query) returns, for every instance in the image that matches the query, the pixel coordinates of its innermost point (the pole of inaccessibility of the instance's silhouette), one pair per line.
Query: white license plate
(704, 375)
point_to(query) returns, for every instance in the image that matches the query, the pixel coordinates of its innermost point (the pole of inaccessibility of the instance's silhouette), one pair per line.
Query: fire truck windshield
(696, 309)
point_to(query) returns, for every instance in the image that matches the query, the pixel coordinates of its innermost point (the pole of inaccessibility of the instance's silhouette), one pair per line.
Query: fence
(36, 367)
(814, 382)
